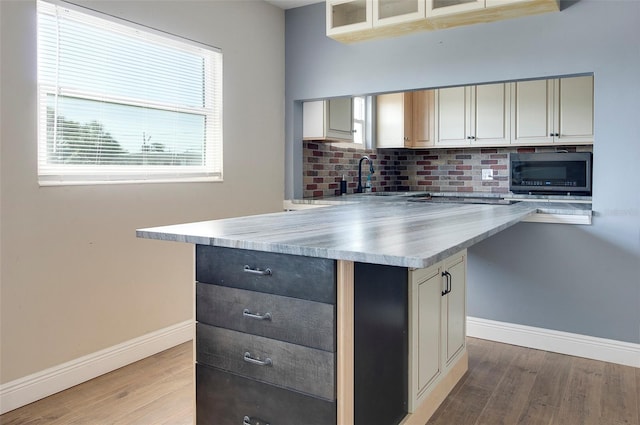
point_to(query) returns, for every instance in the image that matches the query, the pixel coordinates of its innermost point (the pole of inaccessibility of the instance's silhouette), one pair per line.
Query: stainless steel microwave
(559, 173)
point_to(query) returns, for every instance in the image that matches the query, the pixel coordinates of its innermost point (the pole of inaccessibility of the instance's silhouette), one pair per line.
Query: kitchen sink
(461, 200)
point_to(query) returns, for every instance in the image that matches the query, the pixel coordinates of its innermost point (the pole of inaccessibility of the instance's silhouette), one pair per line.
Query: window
(359, 119)
(362, 121)
(118, 102)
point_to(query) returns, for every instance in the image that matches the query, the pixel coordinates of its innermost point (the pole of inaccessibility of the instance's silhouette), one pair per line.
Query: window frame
(51, 174)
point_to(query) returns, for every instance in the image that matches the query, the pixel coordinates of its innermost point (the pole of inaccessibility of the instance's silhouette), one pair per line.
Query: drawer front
(302, 322)
(226, 399)
(280, 363)
(289, 275)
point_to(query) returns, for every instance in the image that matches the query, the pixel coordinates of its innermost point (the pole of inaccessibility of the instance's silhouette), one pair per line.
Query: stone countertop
(362, 228)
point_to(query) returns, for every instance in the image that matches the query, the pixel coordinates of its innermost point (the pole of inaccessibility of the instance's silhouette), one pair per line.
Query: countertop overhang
(367, 230)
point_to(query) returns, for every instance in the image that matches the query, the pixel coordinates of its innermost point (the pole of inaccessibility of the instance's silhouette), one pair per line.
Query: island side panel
(381, 344)
(345, 343)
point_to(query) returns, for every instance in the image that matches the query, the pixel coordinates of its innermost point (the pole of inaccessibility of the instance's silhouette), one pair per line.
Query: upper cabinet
(389, 12)
(405, 120)
(328, 120)
(348, 16)
(446, 7)
(474, 115)
(556, 111)
(355, 20)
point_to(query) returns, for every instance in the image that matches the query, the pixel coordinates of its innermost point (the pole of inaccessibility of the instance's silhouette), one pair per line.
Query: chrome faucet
(359, 188)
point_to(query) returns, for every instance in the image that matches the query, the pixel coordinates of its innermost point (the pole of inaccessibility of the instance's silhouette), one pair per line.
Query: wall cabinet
(389, 12)
(474, 115)
(437, 8)
(355, 20)
(437, 331)
(329, 120)
(405, 120)
(553, 111)
(536, 112)
(347, 16)
(446, 7)
(353, 17)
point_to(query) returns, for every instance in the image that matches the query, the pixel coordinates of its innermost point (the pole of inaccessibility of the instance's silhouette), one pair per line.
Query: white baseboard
(41, 384)
(602, 349)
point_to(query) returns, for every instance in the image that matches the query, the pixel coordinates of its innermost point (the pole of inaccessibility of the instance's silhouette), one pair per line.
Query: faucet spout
(371, 171)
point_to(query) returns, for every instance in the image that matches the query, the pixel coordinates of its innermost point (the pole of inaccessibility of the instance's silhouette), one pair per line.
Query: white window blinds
(120, 102)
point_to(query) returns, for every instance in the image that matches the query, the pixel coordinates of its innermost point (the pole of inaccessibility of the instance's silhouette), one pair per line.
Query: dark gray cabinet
(302, 322)
(265, 338)
(276, 362)
(294, 276)
(224, 398)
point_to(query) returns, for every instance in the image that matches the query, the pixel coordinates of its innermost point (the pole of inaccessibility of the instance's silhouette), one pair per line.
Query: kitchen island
(329, 315)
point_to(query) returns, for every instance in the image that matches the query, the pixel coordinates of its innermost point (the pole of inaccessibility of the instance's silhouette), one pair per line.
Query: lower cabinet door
(223, 398)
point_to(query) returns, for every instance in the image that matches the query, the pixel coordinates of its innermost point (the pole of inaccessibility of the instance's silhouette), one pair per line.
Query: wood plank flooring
(505, 384)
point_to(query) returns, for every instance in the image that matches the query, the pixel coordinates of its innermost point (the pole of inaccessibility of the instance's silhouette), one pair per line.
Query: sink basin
(462, 200)
(404, 194)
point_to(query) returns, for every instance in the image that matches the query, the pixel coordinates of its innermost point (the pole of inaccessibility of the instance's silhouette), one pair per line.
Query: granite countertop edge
(401, 234)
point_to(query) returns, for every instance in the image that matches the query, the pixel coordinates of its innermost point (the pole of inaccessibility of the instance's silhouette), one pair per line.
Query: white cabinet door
(425, 330)
(391, 12)
(330, 120)
(447, 7)
(454, 116)
(393, 120)
(492, 115)
(340, 118)
(454, 306)
(344, 16)
(575, 110)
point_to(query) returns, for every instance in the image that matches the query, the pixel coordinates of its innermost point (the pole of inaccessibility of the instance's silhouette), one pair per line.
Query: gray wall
(580, 279)
(74, 279)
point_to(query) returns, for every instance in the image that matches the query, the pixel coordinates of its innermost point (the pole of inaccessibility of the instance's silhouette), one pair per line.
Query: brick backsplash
(434, 170)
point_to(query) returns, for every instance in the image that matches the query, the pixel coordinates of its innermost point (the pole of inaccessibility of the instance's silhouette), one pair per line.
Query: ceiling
(289, 4)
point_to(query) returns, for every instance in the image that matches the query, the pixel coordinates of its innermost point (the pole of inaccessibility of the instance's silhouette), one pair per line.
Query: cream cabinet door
(574, 116)
(454, 116)
(454, 308)
(474, 115)
(425, 332)
(533, 111)
(492, 115)
(556, 111)
(393, 120)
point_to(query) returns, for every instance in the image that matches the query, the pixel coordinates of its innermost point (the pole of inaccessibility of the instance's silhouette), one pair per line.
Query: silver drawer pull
(247, 421)
(249, 359)
(249, 314)
(265, 272)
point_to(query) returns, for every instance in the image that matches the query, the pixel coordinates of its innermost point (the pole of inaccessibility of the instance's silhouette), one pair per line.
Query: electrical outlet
(487, 174)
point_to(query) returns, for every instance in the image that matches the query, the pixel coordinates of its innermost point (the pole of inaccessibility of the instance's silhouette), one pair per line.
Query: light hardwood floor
(505, 384)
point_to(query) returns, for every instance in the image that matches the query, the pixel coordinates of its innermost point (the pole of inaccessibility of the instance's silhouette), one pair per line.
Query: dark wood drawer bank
(265, 338)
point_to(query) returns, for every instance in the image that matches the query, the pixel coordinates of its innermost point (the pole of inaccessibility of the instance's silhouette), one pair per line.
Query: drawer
(295, 276)
(279, 363)
(223, 398)
(287, 319)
